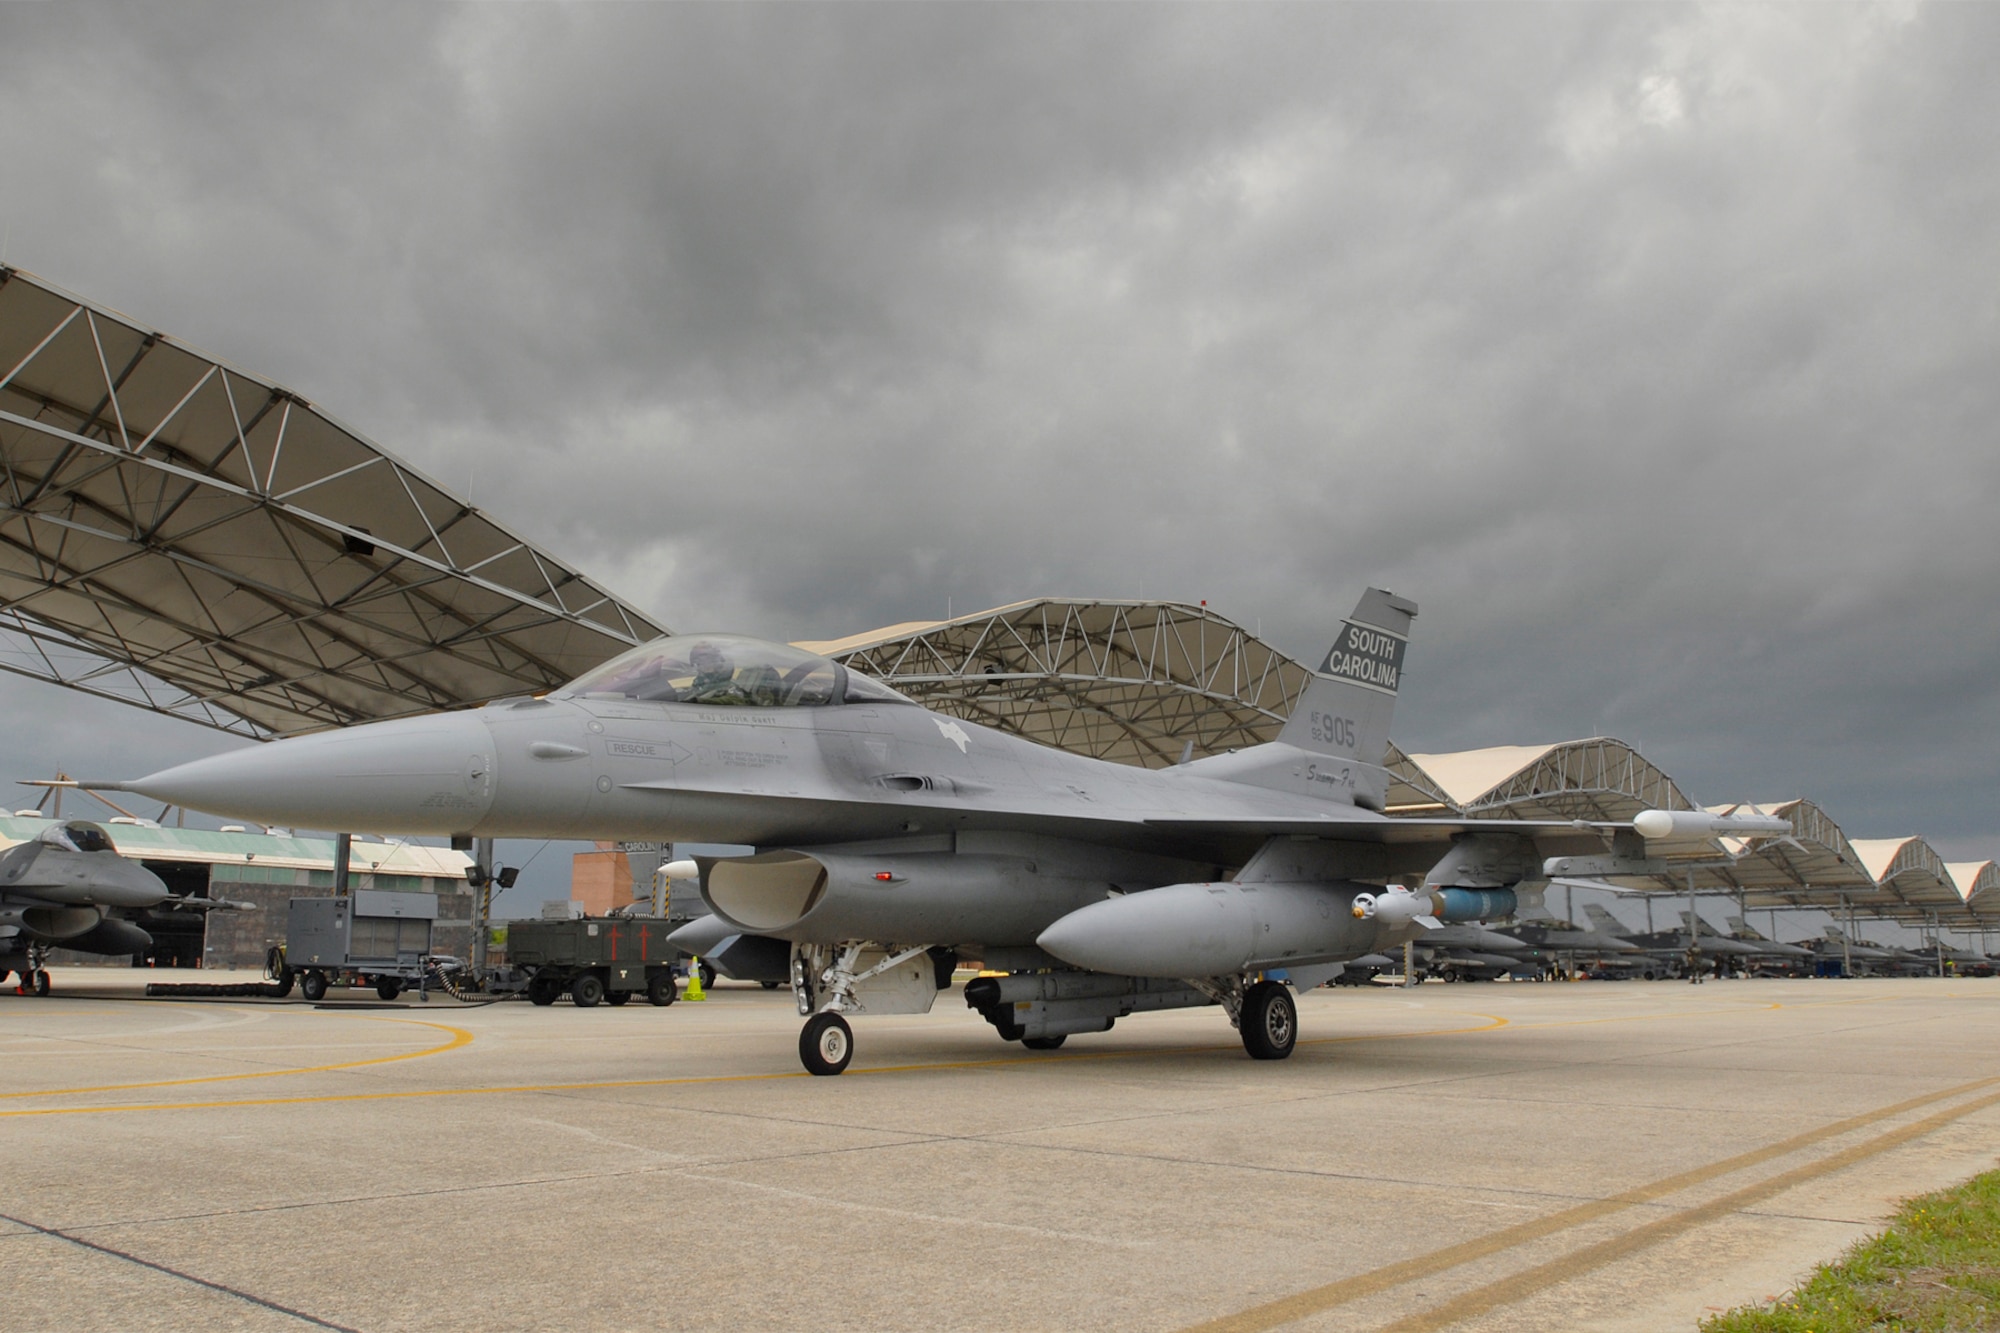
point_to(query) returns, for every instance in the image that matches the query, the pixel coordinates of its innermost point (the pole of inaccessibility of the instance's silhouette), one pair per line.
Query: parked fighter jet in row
(1689, 949)
(887, 835)
(1552, 941)
(1790, 957)
(1889, 960)
(1471, 953)
(69, 888)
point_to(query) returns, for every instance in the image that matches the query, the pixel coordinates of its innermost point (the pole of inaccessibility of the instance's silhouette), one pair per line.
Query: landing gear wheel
(388, 988)
(1270, 1021)
(1044, 1043)
(543, 990)
(39, 983)
(617, 997)
(826, 1043)
(770, 985)
(660, 989)
(586, 991)
(313, 986)
(707, 975)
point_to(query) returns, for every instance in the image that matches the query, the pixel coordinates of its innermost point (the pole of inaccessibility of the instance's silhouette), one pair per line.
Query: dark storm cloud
(1649, 348)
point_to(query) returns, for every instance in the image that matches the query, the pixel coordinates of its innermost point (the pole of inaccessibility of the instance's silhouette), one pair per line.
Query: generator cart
(372, 938)
(595, 958)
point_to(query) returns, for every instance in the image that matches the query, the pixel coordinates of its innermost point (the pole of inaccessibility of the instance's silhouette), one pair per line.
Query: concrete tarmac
(1503, 1156)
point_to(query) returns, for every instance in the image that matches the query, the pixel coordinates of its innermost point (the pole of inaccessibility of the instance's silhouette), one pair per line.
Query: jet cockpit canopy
(78, 835)
(727, 670)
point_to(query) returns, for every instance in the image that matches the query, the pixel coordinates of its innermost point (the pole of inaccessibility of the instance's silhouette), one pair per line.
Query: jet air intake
(53, 923)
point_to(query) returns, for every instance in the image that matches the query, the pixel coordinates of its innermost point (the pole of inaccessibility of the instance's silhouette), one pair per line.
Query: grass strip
(1937, 1267)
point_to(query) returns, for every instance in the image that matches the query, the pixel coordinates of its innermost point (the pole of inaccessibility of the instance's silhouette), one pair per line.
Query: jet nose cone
(416, 775)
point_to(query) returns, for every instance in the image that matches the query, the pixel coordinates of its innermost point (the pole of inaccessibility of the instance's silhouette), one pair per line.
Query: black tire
(586, 990)
(660, 989)
(313, 986)
(40, 984)
(543, 990)
(770, 985)
(826, 1043)
(1044, 1043)
(1269, 1021)
(707, 975)
(614, 998)
(388, 987)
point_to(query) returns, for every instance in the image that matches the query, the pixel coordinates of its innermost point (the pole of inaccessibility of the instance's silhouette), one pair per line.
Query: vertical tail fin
(1603, 922)
(1346, 706)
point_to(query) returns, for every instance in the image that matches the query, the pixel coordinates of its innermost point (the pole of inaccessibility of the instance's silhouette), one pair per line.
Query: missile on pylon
(1706, 824)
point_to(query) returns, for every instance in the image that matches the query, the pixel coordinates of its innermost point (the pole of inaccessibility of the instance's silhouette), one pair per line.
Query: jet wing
(1364, 826)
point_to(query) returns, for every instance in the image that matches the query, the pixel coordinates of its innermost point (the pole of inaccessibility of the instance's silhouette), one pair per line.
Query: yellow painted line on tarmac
(1493, 1024)
(459, 1037)
(1318, 1300)
(1524, 1284)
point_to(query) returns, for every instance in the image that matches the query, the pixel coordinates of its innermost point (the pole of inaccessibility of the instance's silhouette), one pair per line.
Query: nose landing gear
(830, 982)
(826, 1043)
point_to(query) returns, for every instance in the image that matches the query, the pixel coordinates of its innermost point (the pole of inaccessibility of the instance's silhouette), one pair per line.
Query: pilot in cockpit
(714, 676)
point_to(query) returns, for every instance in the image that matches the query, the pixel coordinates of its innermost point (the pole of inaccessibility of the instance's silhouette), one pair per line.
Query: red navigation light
(884, 876)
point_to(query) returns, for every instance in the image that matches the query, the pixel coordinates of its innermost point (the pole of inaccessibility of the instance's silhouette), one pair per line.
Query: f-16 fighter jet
(884, 831)
(1790, 955)
(1693, 948)
(69, 888)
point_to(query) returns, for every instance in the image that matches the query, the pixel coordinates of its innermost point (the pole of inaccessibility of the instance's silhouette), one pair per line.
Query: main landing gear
(1262, 1012)
(1268, 1021)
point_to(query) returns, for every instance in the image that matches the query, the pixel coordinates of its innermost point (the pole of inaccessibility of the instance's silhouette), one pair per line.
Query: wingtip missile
(1703, 824)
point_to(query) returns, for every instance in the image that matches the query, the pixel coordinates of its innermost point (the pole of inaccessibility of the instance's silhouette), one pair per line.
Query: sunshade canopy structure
(1598, 778)
(1979, 881)
(1133, 682)
(189, 537)
(185, 536)
(1912, 882)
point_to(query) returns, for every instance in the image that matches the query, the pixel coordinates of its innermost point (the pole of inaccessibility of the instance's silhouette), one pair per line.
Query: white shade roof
(189, 537)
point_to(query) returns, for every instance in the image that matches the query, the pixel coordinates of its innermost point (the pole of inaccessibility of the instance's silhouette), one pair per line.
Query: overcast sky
(1650, 349)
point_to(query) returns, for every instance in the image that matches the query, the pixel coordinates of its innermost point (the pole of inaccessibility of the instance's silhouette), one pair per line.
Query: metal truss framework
(28, 649)
(1133, 682)
(188, 538)
(1599, 778)
(239, 556)
(1815, 866)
